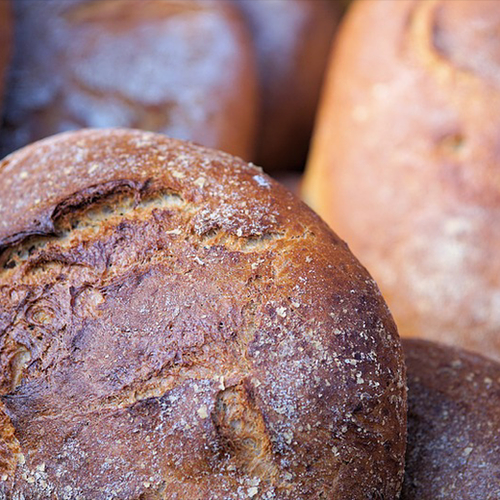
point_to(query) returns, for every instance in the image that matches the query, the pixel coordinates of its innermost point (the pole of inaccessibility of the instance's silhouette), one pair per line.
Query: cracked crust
(453, 424)
(175, 324)
(404, 162)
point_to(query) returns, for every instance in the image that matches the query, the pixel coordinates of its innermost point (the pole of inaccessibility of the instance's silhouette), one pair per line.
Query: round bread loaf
(453, 424)
(175, 324)
(182, 67)
(405, 162)
(292, 38)
(5, 42)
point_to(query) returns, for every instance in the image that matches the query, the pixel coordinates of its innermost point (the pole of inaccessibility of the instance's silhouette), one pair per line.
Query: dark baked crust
(181, 67)
(175, 324)
(405, 162)
(292, 38)
(453, 424)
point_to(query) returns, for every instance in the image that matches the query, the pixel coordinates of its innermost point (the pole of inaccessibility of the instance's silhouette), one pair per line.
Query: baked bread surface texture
(453, 424)
(405, 162)
(176, 325)
(181, 67)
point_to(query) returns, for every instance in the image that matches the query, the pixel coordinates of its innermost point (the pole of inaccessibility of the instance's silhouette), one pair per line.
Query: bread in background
(453, 424)
(181, 67)
(292, 39)
(5, 43)
(405, 157)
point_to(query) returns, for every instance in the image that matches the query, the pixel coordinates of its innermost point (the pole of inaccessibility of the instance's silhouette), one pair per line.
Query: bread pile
(175, 324)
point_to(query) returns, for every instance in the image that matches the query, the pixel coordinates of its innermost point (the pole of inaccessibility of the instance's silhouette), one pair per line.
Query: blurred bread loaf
(453, 424)
(292, 38)
(182, 67)
(5, 43)
(405, 161)
(175, 324)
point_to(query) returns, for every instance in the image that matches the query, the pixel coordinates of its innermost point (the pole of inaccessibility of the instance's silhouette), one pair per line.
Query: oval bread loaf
(405, 161)
(175, 324)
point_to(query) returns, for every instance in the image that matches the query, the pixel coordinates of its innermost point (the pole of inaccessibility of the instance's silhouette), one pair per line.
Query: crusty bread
(177, 325)
(405, 161)
(292, 38)
(453, 424)
(182, 67)
(5, 43)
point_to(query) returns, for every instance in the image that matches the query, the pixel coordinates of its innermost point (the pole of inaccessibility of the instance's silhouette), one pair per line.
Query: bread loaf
(175, 324)
(5, 42)
(453, 424)
(292, 38)
(182, 67)
(405, 161)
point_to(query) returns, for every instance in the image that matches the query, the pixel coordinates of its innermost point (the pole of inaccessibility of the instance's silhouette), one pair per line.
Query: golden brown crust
(453, 424)
(292, 38)
(178, 325)
(182, 67)
(405, 158)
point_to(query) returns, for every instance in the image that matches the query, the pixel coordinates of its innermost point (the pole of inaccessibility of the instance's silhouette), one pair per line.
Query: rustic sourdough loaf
(453, 424)
(182, 67)
(176, 325)
(405, 161)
